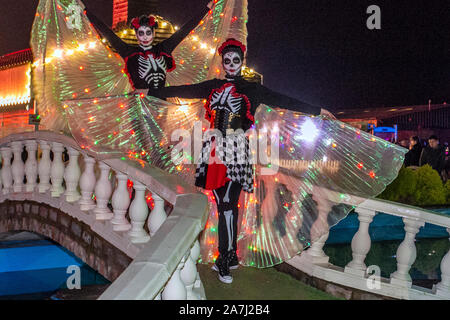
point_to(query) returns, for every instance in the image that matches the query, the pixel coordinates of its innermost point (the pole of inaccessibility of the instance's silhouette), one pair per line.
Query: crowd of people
(432, 153)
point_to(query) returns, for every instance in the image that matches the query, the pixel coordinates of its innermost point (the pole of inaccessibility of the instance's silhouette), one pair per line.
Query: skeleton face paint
(145, 36)
(232, 63)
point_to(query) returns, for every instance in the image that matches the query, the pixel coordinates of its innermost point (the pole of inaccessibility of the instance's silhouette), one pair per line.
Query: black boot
(233, 260)
(222, 266)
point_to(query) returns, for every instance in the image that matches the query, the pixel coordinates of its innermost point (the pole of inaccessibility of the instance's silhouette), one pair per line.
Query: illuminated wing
(141, 128)
(196, 56)
(317, 169)
(70, 61)
(321, 170)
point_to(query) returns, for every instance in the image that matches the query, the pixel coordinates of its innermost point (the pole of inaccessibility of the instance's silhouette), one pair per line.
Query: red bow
(151, 21)
(135, 23)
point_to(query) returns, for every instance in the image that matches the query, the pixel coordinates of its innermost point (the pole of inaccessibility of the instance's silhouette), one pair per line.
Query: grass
(257, 284)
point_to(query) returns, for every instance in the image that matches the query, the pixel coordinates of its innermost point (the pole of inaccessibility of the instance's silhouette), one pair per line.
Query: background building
(15, 92)
(125, 10)
(420, 120)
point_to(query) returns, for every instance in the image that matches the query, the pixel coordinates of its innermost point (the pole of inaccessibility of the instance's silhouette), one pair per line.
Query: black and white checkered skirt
(234, 152)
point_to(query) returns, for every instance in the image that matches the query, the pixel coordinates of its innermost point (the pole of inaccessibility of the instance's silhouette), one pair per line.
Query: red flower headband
(151, 22)
(232, 42)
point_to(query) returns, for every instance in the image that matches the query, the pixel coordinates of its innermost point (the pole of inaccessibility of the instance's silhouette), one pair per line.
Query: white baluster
(138, 215)
(72, 176)
(195, 254)
(188, 275)
(57, 170)
(361, 243)
(44, 167)
(120, 203)
(443, 287)
(175, 289)
(103, 190)
(406, 253)
(195, 251)
(157, 216)
(18, 167)
(87, 184)
(6, 170)
(315, 253)
(31, 166)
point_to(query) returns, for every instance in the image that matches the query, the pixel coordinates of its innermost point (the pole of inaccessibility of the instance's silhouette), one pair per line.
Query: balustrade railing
(164, 243)
(314, 261)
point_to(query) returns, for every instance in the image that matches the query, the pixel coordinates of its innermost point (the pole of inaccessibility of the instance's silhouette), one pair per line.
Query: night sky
(319, 51)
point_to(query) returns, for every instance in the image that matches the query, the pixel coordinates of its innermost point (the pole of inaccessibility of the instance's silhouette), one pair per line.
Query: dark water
(387, 232)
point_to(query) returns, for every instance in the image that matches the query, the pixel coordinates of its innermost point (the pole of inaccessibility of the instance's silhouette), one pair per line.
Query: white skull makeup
(232, 63)
(145, 36)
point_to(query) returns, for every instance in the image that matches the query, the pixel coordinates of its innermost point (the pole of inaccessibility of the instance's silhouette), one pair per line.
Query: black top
(434, 157)
(147, 68)
(412, 157)
(237, 96)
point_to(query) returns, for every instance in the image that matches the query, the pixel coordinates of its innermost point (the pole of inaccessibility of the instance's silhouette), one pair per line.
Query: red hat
(234, 43)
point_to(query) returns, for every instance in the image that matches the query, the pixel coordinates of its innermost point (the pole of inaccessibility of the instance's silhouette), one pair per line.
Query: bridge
(153, 255)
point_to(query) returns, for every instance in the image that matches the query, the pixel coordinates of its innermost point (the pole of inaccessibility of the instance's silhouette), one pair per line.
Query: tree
(429, 189)
(402, 188)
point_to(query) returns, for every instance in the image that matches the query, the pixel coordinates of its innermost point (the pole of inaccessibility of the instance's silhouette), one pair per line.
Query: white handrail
(173, 245)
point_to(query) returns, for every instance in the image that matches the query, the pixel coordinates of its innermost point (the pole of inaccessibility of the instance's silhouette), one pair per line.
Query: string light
(22, 98)
(58, 53)
(11, 100)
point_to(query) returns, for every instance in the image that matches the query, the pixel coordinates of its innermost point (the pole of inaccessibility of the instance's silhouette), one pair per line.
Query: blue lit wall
(39, 266)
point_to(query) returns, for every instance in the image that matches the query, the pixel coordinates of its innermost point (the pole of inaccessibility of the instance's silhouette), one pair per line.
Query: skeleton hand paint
(327, 113)
(232, 63)
(145, 36)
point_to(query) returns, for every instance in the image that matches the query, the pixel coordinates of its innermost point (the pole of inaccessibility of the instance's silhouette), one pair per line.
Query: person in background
(433, 154)
(412, 158)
